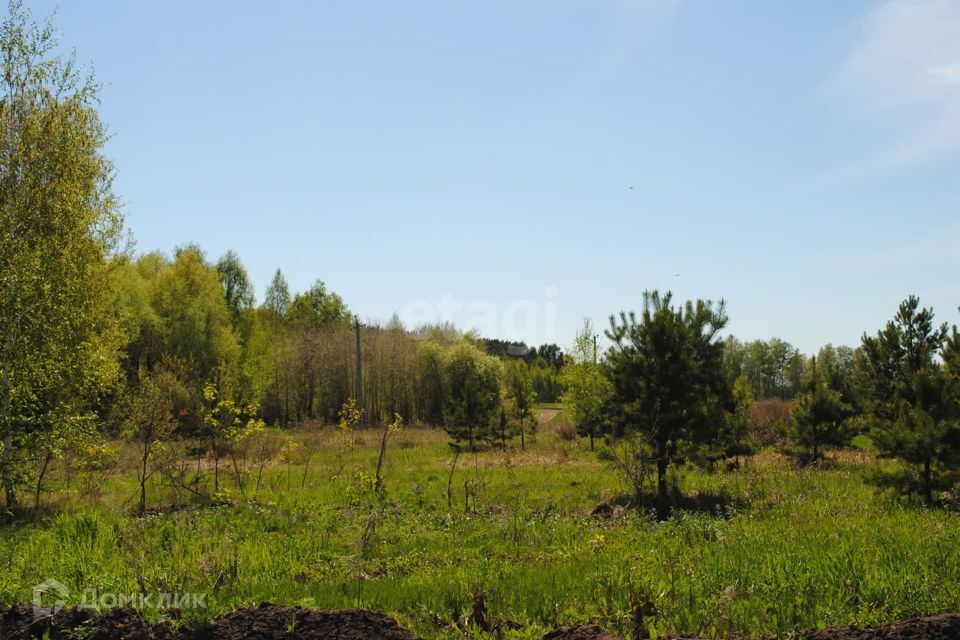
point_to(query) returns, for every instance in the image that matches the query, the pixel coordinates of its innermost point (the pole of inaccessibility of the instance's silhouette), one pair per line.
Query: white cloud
(946, 74)
(903, 73)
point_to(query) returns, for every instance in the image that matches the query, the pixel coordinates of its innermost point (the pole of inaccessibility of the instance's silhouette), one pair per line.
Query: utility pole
(594, 348)
(359, 380)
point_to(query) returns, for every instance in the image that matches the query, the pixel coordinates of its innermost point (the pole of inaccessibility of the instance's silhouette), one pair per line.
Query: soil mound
(273, 622)
(942, 627)
(20, 623)
(266, 622)
(604, 511)
(580, 632)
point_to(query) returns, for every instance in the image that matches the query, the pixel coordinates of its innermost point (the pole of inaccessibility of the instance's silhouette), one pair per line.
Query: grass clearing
(805, 548)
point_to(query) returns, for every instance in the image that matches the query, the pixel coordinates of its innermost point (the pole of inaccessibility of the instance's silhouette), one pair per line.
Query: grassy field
(792, 549)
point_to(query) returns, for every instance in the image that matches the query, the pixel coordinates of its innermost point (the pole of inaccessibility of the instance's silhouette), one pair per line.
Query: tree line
(677, 392)
(96, 342)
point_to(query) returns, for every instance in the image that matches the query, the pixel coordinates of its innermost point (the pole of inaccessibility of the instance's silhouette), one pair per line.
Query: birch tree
(59, 224)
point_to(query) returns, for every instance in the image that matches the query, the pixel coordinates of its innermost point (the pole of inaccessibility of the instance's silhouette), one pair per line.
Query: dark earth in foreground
(274, 622)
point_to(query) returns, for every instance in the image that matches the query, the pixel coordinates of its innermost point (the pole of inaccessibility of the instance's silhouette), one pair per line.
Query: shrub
(566, 431)
(769, 420)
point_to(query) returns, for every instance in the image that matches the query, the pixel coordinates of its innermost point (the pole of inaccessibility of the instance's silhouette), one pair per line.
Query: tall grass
(792, 549)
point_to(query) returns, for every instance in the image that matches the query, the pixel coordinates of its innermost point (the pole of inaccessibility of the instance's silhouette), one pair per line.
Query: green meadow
(763, 549)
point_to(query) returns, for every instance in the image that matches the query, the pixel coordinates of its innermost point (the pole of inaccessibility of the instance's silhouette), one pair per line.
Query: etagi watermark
(50, 596)
(534, 318)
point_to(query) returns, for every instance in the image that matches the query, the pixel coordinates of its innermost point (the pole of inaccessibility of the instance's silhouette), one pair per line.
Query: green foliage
(734, 438)
(349, 415)
(317, 307)
(471, 393)
(667, 372)
(587, 387)
(545, 380)
(796, 548)
(389, 429)
(59, 223)
(543, 364)
(177, 309)
(817, 421)
(195, 323)
(774, 368)
(237, 288)
(906, 346)
(299, 363)
(155, 407)
(838, 368)
(552, 355)
(228, 426)
(914, 400)
(277, 298)
(951, 353)
(76, 314)
(521, 396)
(430, 392)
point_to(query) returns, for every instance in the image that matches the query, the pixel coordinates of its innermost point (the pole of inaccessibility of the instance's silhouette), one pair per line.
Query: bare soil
(546, 415)
(266, 622)
(942, 627)
(274, 622)
(580, 632)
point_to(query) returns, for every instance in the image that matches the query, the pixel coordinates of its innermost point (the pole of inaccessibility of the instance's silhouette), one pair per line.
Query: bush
(566, 431)
(769, 421)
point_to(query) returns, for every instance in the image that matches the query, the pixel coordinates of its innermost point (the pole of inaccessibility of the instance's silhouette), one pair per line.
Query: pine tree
(733, 438)
(471, 393)
(817, 418)
(914, 399)
(522, 397)
(667, 371)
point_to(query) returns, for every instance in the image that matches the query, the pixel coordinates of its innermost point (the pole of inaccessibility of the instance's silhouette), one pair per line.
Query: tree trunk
(256, 492)
(238, 474)
(453, 467)
(14, 128)
(663, 501)
(40, 476)
(286, 397)
(8, 489)
(143, 477)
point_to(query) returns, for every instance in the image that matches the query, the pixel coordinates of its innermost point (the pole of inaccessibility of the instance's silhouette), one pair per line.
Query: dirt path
(546, 415)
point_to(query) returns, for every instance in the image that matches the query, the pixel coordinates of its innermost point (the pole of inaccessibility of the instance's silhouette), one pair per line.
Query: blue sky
(536, 162)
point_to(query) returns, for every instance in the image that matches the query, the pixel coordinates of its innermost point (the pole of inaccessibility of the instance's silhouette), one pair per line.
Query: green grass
(805, 548)
(548, 405)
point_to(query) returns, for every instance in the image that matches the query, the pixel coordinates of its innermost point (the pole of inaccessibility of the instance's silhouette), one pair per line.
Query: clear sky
(539, 161)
